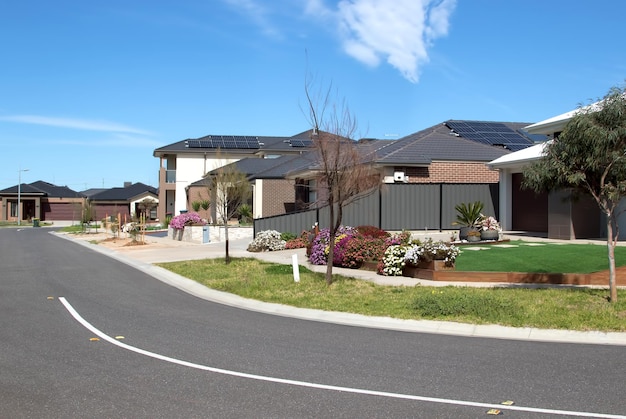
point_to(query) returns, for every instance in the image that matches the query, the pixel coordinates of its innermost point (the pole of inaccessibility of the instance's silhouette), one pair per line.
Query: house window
(13, 209)
(305, 193)
(420, 172)
(312, 191)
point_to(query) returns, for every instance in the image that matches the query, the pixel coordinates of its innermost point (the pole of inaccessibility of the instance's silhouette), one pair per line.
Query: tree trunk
(331, 245)
(227, 258)
(611, 252)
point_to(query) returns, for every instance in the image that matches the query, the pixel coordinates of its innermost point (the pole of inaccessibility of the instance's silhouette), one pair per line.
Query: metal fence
(395, 207)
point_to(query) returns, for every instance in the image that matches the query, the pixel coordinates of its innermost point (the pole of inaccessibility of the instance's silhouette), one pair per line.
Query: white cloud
(113, 140)
(82, 124)
(257, 12)
(399, 31)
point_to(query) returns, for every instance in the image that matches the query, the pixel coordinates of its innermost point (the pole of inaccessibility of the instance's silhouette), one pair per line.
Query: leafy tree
(88, 212)
(229, 189)
(343, 174)
(146, 205)
(589, 156)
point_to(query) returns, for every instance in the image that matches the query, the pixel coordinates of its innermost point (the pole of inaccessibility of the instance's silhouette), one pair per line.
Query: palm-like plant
(468, 214)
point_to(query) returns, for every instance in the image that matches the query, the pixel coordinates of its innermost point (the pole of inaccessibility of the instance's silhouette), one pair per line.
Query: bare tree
(228, 189)
(342, 167)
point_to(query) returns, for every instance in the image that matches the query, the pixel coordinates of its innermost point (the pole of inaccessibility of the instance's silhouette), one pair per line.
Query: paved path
(163, 249)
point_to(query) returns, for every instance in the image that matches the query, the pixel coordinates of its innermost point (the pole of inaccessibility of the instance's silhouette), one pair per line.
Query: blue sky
(89, 89)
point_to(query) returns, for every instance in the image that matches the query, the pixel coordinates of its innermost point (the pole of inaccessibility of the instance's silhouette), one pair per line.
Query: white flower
(267, 240)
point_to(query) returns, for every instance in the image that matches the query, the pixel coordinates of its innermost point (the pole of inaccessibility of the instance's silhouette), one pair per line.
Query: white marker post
(296, 271)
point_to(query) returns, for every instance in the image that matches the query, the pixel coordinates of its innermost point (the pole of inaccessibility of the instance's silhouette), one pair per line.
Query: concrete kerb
(419, 326)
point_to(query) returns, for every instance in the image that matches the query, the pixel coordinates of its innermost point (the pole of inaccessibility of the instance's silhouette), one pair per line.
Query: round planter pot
(489, 235)
(463, 233)
(473, 239)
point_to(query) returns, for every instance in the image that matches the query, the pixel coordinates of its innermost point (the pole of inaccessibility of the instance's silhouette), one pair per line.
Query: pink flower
(189, 218)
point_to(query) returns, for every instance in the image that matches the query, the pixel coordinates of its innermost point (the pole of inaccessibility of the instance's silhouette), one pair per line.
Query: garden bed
(437, 271)
(450, 275)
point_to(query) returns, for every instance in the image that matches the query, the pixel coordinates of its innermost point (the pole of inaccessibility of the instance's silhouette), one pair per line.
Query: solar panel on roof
(225, 141)
(491, 133)
(300, 143)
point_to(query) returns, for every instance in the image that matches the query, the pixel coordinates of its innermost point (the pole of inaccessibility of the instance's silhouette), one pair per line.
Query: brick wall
(277, 192)
(451, 172)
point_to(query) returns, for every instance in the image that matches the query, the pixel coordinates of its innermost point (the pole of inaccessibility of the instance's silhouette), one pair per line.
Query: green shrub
(245, 213)
(166, 223)
(196, 205)
(286, 236)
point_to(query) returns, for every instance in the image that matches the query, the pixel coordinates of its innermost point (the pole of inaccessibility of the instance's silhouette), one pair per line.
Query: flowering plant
(393, 260)
(371, 231)
(189, 218)
(267, 240)
(297, 243)
(414, 255)
(321, 244)
(402, 238)
(357, 250)
(431, 251)
(490, 223)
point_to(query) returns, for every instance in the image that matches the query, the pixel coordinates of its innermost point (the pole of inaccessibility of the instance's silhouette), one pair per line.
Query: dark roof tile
(44, 189)
(125, 193)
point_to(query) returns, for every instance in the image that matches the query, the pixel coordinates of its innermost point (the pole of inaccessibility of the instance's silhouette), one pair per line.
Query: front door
(28, 210)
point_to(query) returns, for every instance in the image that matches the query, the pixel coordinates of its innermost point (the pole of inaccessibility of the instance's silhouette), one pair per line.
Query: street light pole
(19, 195)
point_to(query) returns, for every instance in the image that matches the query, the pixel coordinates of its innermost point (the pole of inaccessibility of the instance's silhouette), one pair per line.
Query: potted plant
(473, 235)
(468, 217)
(490, 228)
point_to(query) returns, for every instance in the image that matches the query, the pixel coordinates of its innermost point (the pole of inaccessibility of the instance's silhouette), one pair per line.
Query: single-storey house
(454, 151)
(41, 200)
(130, 201)
(49, 202)
(554, 214)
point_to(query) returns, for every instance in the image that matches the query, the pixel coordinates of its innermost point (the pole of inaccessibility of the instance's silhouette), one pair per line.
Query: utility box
(206, 238)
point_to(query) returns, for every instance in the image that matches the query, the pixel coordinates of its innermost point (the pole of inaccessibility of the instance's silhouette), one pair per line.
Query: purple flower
(320, 246)
(189, 218)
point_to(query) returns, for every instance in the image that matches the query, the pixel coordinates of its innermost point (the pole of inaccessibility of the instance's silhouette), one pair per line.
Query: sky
(88, 89)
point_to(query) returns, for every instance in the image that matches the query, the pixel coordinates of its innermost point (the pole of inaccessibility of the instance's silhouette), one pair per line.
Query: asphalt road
(162, 353)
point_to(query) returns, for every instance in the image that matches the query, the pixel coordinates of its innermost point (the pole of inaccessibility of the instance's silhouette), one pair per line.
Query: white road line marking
(113, 341)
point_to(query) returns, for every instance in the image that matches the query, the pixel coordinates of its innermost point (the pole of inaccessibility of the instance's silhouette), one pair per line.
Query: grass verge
(562, 308)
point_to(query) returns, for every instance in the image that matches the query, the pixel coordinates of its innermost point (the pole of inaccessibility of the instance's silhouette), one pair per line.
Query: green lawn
(541, 257)
(561, 308)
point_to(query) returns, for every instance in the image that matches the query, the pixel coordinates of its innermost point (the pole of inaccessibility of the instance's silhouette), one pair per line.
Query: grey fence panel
(410, 207)
(289, 223)
(395, 207)
(454, 194)
(365, 210)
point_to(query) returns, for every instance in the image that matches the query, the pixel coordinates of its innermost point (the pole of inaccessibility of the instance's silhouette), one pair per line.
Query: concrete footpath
(163, 249)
